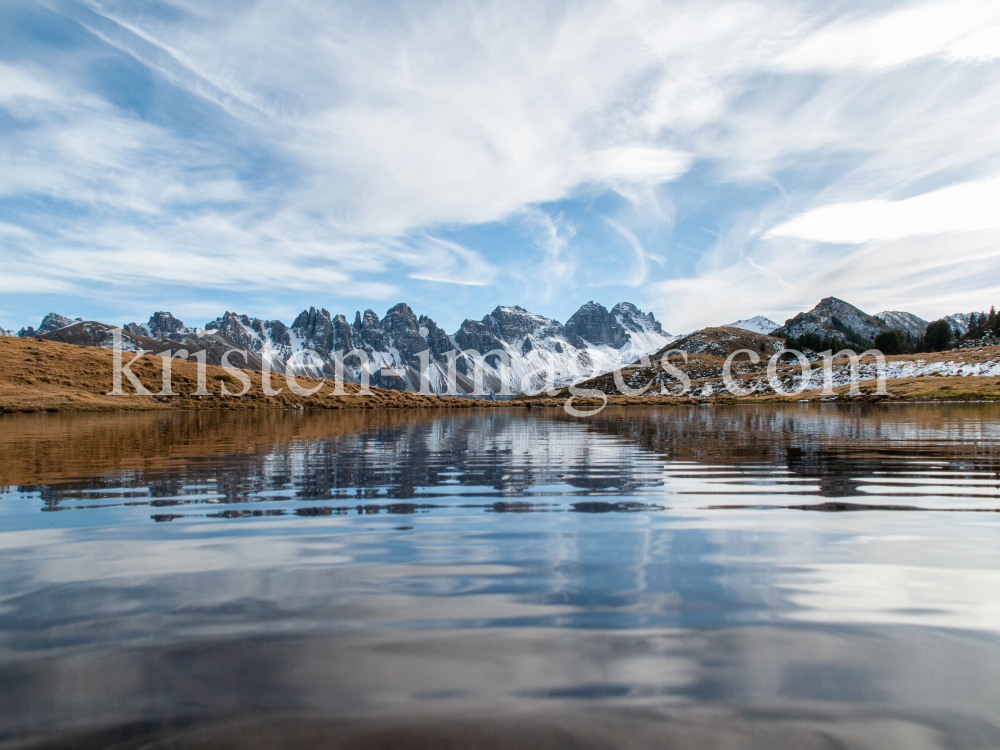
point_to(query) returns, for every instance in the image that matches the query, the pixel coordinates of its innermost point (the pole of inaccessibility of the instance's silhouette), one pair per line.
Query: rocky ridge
(51, 322)
(833, 316)
(959, 322)
(722, 341)
(904, 321)
(508, 351)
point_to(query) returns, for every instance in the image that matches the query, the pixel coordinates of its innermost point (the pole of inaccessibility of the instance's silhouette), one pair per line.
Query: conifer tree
(893, 342)
(977, 326)
(938, 337)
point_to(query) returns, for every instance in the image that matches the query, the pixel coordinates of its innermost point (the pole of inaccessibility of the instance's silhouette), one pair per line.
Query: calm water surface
(683, 577)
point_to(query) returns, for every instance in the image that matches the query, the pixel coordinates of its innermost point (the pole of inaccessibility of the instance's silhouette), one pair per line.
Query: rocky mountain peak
(399, 320)
(313, 324)
(370, 334)
(593, 323)
(162, 324)
(904, 321)
(634, 319)
(479, 335)
(51, 322)
(831, 316)
(227, 319)
(309, 319)
(437, 340)
(317, 330)
(512, 323)
(54, 321)
(396, 345)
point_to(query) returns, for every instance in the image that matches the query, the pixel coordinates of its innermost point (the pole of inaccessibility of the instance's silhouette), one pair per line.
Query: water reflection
(497, 578)
(363, 458)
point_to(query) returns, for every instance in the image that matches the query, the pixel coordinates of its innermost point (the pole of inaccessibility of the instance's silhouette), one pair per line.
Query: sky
(707, 161)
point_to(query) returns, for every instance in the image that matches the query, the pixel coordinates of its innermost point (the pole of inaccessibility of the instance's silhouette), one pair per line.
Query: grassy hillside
(41, 375)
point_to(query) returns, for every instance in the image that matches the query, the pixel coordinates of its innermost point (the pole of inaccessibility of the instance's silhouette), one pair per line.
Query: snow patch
(756, 324)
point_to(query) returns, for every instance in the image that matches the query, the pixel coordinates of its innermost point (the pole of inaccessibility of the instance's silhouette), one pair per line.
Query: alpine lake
(748, 576)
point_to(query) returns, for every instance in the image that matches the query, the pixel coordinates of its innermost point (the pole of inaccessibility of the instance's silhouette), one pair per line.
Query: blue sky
(707, 160)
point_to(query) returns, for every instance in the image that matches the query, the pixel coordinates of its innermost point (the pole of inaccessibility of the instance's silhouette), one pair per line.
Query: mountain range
(522, 350)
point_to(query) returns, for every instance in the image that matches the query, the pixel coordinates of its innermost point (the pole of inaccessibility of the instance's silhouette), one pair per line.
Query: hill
(43, 375)
(833, 317)
(723, 341)
(967, 374)
(756, 324)
(906, 322)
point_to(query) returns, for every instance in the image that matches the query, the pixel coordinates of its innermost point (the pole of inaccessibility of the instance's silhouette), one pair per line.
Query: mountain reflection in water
(502, 578)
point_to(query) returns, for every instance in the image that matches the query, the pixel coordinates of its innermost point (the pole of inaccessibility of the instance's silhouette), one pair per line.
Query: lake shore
(38, 376)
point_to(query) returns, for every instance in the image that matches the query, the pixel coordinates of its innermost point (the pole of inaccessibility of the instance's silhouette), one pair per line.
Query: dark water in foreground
(694, 577)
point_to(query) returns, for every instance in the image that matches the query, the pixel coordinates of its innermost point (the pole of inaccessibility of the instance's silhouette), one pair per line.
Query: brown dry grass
(50, 376)
(705, 369)
(901, 389)
(39, 375)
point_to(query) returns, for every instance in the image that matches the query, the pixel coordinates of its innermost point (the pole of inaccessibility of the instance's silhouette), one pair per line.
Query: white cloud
(639, 164)
(638, 274)
(383, 127)
(12, 231)
(930, 276)
(968, 207)
(558, 266)
(13, 281)
(955, 30)
(465, 113)
(447, 262)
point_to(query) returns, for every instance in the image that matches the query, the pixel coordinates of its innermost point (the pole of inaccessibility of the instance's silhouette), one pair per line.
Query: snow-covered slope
(868, 370)
(904, 321)
(959, 322)
(530, 350)
(831, 317)
(756, 324)
(510, 350)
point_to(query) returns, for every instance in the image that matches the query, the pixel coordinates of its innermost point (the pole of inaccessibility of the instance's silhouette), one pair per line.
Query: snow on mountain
(162, 325)
(756, 324)
(51, 322)
(526, 350)
(508, 351)
(904, 321)
(831, 317)
(959, 322)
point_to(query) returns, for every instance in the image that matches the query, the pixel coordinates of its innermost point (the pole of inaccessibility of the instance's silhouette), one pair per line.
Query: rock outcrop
(832, 317)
